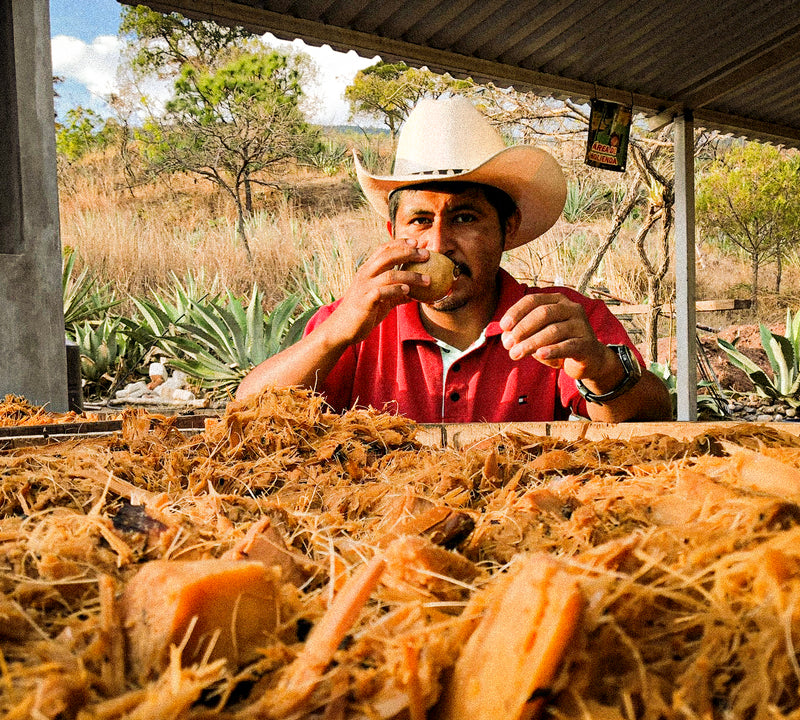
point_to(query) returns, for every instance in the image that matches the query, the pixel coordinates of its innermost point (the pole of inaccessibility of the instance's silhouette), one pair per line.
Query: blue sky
(86, 53)
(84, 19)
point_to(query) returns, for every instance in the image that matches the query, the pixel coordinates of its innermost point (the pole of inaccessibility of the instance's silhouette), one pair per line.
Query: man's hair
(498, 199)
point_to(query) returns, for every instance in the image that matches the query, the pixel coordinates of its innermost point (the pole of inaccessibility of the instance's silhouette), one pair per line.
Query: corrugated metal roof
(734, 63)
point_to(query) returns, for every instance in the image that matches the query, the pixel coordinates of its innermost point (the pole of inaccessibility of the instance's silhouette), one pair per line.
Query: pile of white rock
(162, 386)
(754, 408)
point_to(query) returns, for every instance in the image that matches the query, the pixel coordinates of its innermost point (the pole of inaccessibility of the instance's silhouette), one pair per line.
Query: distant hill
(357, 129)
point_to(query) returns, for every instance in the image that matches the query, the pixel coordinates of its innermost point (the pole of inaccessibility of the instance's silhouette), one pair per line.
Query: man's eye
(418, 221)
(465, 218)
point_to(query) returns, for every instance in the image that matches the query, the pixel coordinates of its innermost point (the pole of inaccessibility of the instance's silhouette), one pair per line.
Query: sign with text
(609, 129)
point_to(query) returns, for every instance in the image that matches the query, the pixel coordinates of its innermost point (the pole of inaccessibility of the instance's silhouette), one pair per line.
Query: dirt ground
(747, 340)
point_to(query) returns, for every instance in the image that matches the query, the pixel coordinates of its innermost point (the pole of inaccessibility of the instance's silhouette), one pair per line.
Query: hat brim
(529, 175)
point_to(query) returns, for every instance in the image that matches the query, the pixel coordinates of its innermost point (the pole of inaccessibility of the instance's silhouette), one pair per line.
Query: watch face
(628, 358)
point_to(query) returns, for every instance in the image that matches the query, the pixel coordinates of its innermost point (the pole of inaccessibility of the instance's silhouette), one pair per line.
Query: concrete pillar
(32, 348)
(686, 324)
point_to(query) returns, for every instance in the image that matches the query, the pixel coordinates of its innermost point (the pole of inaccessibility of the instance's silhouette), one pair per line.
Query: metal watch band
(633, 372)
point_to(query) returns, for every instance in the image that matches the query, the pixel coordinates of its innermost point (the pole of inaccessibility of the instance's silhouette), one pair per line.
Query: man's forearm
(306, 363)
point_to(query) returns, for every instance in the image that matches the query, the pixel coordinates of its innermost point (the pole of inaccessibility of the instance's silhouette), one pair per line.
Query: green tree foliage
(750, 197)
(387, 92)
(82, 131)
(163, 44)
(231, 124)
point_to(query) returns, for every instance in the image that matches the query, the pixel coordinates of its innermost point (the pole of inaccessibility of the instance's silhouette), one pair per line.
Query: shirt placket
(456, 393)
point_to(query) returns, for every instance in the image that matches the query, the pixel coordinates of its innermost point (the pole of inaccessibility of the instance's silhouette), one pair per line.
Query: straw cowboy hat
(445, 140)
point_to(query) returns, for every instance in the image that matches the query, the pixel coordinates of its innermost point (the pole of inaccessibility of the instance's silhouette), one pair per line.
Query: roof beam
(763, 59)
(260, 21)
(227, 12)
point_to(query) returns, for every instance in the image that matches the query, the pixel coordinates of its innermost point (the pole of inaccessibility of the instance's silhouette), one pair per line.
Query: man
(492, 350)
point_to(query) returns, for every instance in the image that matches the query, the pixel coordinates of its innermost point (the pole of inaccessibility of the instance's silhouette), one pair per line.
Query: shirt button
(456, 367)
(454, 396)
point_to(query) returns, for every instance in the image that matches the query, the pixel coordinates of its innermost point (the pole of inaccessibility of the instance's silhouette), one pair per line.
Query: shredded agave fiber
(289, 562)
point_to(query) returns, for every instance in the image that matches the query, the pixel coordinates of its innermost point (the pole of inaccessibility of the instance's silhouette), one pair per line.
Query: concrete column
(32, 348)
(686, 324)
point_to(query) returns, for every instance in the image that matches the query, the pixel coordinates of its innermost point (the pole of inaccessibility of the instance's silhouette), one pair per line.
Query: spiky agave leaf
(219, 340)
(762, 382)
(780, 354)
(82, 297)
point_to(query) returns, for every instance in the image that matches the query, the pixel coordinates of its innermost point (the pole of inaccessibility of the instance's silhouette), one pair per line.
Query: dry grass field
(316, 228)
(137, 239)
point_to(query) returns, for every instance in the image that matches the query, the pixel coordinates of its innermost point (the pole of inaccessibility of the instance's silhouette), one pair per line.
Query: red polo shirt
(398, 367)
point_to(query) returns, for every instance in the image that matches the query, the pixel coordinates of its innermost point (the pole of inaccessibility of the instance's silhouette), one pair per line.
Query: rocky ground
(757, 409)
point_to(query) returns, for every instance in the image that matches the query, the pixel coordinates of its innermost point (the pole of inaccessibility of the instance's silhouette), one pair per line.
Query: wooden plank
(14, 436)
(465, 435)
(458, 436)
(700, 306)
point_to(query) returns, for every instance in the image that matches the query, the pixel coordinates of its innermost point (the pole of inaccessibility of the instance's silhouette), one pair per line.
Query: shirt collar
(411, 327)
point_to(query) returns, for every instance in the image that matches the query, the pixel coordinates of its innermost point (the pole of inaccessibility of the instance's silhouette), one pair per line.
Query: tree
(388, 92)
(660, 208)
(749, 196)
(163, 44)
(235, 109)
(82, 131)
(530, 118)
(230, 124)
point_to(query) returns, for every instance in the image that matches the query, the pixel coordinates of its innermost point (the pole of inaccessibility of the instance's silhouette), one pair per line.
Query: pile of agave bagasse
(359, 574)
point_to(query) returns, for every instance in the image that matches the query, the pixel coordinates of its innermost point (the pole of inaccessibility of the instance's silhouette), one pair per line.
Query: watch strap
(633, 372)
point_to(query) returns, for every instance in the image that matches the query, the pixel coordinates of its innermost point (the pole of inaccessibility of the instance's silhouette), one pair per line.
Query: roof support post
(686, 324)
(33, 354)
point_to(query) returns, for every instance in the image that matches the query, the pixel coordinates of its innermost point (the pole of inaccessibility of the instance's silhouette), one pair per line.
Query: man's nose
(437, 238)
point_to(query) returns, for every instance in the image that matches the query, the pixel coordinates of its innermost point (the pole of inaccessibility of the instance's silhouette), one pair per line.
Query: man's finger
(391, 255)
(398, 292)
(525, 306)
(553, 354)
(546, 321)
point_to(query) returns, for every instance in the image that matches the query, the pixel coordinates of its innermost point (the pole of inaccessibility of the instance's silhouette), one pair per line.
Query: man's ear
(512, 225)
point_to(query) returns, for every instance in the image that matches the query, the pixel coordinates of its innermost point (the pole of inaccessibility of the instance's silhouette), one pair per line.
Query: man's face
(463, 226)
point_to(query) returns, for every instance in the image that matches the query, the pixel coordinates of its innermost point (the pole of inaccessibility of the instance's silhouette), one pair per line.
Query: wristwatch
(633, 372)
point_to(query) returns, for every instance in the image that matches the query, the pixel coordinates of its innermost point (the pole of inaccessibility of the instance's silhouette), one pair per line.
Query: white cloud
(92, 65)
(335, 71)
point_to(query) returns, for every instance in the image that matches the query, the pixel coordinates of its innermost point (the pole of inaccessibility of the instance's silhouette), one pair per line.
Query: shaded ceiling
(734, 63)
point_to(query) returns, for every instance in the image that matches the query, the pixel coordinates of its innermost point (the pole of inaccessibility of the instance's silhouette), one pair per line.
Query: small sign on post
(609, 130)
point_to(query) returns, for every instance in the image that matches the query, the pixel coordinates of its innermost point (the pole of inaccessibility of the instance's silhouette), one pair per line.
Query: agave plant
(783, 353)
(581, 197)
(157, 320)
(308, 280)
(103, 348)
(83, 298)
(221, 341)
(708, 406)
(328, 156)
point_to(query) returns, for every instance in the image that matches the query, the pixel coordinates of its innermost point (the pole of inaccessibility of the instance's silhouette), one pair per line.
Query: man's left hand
(556, 331)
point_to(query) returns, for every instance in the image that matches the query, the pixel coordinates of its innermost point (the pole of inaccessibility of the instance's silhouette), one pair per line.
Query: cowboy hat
(450, 140)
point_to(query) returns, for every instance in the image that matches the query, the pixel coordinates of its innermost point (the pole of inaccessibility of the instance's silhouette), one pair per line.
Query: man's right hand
(378, 286)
